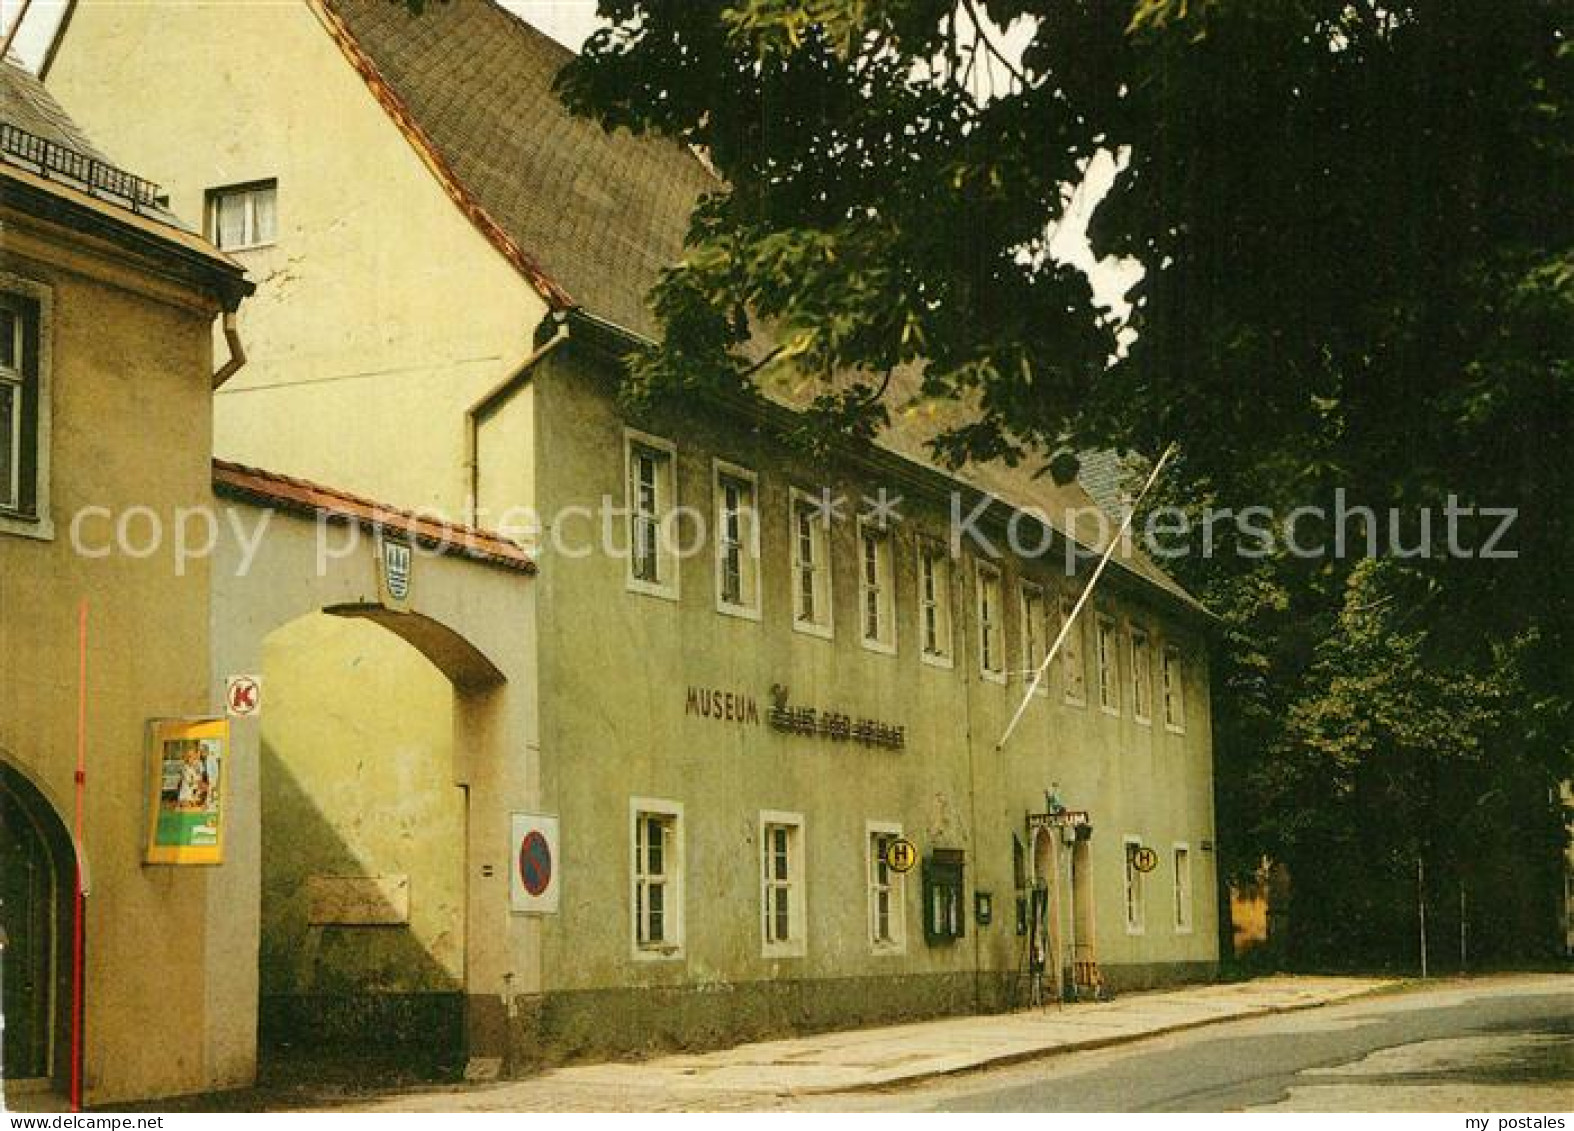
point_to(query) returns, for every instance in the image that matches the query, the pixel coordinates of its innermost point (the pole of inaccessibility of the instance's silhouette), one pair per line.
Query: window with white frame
(658, 878)
(243, 216)
(934, 602)
(876, 588)
(1104, 645)
(1141, 676)
(1174, 692)
(991, 637)
(652, 564)
(781, 880)
(1073, 664)
(1183, 888)
(886, 926)
(811, 565)
(23, 409)
(1033, 626)
(737, 541)
(1136, 911)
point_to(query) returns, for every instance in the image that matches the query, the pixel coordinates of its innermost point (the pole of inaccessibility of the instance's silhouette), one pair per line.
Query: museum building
(726, 761)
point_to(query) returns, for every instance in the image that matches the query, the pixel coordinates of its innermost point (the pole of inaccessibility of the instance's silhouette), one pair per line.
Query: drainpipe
(237, 351)
(493, 398)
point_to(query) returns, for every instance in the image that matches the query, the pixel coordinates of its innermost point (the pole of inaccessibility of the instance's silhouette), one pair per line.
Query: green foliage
(1357, 241)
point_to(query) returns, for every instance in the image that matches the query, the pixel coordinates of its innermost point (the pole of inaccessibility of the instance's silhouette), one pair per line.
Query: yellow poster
(186, 784)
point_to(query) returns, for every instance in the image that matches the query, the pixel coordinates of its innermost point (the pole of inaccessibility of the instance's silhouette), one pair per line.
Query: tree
(1357, 247)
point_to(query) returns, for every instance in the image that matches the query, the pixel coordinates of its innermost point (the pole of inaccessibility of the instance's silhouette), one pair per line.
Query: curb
(1007, 1059)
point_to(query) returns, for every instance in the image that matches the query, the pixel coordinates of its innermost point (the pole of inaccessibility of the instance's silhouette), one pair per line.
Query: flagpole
(1065, 629)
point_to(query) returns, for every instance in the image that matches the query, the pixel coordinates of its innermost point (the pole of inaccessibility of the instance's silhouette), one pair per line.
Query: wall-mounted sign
(186, 790)
(900, 855)
(534, 864)
(394, 562)
(1060, 819)
(1143, 858)
(721, 706)
(243, 696)
(832, 724)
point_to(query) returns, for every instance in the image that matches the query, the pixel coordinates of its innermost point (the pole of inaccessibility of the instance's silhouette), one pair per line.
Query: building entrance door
(31, 902)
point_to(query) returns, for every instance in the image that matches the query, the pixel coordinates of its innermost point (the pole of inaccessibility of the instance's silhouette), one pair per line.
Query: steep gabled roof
(590, 217)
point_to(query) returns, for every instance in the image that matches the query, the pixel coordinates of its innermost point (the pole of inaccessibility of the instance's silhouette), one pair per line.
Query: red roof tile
(285, 492)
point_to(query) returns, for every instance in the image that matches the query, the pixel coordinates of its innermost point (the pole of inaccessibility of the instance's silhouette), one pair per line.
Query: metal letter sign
(533, 867)
(394, 562)
(900, 855)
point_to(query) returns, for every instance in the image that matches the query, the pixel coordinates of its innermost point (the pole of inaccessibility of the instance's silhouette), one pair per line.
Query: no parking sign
(533, 864)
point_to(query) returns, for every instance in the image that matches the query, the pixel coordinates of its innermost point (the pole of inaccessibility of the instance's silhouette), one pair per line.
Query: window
(811, 565)
(886, 934)
(876, 588)
(1109, 690)
(658, 878)
(945, 917)
(243, 216)
(1141, 676)
(781, 892)
(1174, 693)
(24, 407)
(737, 542)
(18, 403)
(991, 645)
(934, 603)
(1183, 889)
(1136, 913)
(653, 567)
(1033, 635)
(1073, 665)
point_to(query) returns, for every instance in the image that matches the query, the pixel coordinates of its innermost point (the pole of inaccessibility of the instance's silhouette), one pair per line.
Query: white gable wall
(381, 312)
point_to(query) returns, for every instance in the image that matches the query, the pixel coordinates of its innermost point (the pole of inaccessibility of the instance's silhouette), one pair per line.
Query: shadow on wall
(362, 951)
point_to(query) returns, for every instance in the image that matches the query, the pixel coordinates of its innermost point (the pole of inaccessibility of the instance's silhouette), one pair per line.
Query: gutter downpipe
(492, 399)
(237, 351)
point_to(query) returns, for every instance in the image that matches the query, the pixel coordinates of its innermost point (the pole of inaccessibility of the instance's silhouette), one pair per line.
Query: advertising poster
(186, 787)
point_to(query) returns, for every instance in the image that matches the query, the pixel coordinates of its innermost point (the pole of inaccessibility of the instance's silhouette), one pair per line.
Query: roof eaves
(189, 257)
(301, 496)
(616, 342)
(431, 156)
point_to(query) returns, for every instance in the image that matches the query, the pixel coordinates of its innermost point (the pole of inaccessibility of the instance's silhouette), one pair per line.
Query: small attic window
(243, 216)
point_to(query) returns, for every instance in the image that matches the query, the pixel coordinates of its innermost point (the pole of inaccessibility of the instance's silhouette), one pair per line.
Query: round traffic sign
(901, 854)
(243, 696)
(535, 863)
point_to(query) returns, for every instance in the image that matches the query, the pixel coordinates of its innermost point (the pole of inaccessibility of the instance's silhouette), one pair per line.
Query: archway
(362, 961)
(37, 877)
(458, 611)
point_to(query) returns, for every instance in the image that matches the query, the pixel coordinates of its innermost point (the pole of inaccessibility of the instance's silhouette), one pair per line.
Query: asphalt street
(1493, 1046)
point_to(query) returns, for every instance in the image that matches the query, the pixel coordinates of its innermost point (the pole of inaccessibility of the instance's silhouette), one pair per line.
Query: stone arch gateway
(463, 602)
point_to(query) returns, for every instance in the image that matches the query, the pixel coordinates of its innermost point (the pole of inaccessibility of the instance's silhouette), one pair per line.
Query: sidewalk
(751, 1076)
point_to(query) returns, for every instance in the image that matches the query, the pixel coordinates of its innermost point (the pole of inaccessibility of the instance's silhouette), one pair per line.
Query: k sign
(533, 865)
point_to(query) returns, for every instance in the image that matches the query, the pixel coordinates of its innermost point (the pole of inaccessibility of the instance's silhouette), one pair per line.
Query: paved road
(1492, 1046)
